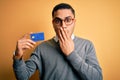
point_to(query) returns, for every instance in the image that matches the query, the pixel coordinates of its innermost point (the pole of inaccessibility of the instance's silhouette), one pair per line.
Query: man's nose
(63, 24)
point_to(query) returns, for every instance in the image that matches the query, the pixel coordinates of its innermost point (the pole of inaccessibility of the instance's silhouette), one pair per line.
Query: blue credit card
(37, 36)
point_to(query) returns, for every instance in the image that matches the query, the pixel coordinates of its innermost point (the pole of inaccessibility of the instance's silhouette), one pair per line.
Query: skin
(63, 32)
(22, 45)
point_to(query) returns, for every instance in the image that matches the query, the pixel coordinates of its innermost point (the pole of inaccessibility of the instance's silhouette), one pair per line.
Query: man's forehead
(63, 13)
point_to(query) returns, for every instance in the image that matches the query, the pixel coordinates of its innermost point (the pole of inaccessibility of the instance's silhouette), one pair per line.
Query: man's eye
(68, 20)
(57, 21)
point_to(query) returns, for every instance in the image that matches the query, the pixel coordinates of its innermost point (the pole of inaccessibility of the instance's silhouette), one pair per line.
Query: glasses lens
(68, 20)
(57, 21)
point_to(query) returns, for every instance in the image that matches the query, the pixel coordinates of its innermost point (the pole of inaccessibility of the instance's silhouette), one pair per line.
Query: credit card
(37, 36)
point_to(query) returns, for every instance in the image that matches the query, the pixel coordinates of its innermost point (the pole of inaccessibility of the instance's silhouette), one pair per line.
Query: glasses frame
(63, 20)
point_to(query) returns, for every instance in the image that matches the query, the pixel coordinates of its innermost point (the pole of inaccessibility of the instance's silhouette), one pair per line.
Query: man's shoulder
(82, 40)
(83, 43)
(46, 43)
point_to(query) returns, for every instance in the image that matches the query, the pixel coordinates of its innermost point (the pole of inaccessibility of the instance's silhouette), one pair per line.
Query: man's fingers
(27, 40)
(26, 47)
(30, 41)
(60, 36)
(26, 35)
(63, 33)
(26, 43)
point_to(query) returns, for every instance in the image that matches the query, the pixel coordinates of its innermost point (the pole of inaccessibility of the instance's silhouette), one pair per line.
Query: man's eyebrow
(57, 18)
(62, 19)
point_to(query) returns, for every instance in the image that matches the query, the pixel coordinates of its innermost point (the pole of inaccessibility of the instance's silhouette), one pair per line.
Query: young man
(64, 57)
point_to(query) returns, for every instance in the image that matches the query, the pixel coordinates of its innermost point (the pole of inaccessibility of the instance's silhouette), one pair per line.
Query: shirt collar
(56, 37)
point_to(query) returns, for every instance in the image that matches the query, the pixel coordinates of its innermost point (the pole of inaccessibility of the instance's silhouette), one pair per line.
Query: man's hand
(23, 44)
(66, 43)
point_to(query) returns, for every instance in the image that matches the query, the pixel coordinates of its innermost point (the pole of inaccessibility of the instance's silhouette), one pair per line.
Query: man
(64, 57)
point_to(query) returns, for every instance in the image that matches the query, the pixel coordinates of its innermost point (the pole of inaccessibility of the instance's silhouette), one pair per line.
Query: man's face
(64, 18)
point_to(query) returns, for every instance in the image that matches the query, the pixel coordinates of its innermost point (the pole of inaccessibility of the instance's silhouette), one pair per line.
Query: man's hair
(63, 6)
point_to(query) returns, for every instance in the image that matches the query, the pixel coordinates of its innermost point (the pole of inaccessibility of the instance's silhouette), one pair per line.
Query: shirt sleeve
(87, 68)
(24, 69)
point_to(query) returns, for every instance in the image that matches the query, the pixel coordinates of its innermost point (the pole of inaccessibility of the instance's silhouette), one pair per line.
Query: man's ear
(74, 20)
(52, 21)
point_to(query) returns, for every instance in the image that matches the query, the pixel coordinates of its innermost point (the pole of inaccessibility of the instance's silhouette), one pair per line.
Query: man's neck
(56, 37)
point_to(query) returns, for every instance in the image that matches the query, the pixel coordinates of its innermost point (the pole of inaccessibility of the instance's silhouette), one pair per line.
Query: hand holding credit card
(37, 36)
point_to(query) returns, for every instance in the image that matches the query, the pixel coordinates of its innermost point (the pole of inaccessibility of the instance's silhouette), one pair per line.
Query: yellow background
(97, 20)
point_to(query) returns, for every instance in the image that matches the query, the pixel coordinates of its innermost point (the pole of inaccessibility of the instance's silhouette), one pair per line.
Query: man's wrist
(16, 56)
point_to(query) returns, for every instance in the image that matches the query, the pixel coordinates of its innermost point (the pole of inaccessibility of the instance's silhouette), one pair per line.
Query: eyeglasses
(68, 21)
